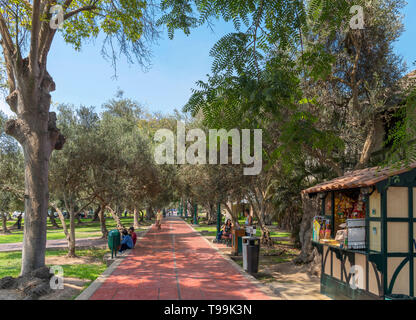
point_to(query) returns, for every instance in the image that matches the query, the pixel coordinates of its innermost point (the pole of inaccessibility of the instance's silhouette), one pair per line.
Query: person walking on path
(159, 217)
(249, 218)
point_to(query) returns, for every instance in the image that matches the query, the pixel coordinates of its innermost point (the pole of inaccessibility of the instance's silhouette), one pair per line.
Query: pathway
(176, 263)
(57, 244)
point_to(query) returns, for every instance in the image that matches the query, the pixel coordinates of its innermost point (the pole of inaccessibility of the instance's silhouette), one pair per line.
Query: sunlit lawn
(10, 263)
(87, 229)
(211, 230)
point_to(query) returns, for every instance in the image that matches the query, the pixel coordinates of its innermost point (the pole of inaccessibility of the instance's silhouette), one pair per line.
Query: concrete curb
(97, 283)
(265, 289)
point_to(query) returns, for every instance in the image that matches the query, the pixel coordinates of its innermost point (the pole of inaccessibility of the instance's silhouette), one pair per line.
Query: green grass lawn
(211, 230)
(10, 264)
(87, 229)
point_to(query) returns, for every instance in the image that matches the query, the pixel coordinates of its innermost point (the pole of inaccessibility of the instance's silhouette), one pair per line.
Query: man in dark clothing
(19, 222)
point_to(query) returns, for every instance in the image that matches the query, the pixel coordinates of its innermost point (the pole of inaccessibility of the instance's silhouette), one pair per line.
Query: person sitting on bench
(126, 242)
(227, 228)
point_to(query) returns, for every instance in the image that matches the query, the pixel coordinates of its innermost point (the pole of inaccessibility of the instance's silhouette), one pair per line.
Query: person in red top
(133, 236)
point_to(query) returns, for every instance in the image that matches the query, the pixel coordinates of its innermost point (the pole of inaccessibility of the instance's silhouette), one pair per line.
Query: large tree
(27, 33)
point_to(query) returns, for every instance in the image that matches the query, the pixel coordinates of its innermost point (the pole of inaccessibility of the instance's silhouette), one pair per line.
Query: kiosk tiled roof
(360, 178)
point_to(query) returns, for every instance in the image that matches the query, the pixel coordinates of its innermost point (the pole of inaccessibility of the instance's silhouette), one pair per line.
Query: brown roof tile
(360, 178)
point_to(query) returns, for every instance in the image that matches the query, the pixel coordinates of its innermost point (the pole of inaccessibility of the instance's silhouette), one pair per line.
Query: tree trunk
(53, 221)
(311, 208)
(96, 213)
(4, 223)
(70, 235)
(116, 218)
(35, 130)
(259, 210)
(368, 147)
(136, 219)
(141, 215)
(71, 241)
(268, 218)
(265, 238)
(78, 216)
(211, 214)
(101, 216)
(36, 152)
(149, 213)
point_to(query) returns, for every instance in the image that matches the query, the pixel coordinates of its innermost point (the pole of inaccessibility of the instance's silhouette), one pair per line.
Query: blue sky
(86, 78)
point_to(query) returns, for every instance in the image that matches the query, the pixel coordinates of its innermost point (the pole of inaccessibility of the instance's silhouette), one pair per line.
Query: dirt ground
(291, 281)
(64, 260)
(286, 279)
(72, 288)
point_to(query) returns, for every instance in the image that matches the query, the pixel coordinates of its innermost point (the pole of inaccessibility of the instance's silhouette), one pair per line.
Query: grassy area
(211, 230)
(10, 263)
(87, 229)
(207, 230)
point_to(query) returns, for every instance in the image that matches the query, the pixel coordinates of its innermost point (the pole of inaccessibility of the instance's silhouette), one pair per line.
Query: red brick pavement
(176, 263)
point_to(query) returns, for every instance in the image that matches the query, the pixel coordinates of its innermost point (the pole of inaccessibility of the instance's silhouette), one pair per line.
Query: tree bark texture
(69, 234)
(116, 218)
(311, 208)
(136, 219)
(101, 216)
(53, 221)
(4, 223)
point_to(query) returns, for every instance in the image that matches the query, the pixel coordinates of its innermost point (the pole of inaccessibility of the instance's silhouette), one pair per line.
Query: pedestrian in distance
(19, 222)
(159, 217)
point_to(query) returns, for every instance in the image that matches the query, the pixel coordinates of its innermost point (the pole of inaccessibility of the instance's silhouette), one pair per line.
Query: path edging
(265, 289)
(97, 283)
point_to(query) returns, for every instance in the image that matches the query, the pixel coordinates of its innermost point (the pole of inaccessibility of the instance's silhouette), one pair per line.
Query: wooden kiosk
(388, 257)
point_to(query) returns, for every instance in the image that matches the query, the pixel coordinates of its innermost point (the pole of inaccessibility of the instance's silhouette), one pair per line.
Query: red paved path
(176, 263)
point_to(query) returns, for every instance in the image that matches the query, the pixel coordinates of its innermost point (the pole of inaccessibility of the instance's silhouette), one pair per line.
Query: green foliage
(127, 26)
(402, 137)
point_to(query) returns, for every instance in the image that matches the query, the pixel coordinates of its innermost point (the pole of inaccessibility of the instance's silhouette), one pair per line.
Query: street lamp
(218, 217)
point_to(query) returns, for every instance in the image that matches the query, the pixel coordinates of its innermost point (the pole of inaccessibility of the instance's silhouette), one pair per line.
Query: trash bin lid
(114, 233)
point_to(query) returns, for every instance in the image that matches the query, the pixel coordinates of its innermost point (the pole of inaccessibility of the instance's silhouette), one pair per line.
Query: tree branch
(324, 160)
(34, 39)
(74, 12)
(6, 38)
(47, 34)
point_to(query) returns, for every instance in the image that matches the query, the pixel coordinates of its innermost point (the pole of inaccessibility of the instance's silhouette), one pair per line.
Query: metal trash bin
(113, 241)
(251, 252)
